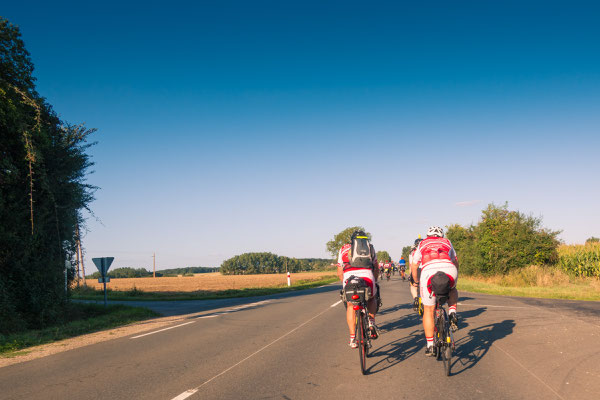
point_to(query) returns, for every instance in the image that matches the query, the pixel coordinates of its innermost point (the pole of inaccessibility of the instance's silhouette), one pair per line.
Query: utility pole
(154, 265)
(79, 255)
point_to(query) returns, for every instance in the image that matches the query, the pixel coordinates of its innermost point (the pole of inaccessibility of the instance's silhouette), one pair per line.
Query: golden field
(207, 282)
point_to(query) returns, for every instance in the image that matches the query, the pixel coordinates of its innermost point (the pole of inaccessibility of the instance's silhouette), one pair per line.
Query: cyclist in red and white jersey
(436, 253)
(369, 275)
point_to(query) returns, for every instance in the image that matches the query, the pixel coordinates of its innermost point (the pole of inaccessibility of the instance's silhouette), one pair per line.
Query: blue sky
(226, 127)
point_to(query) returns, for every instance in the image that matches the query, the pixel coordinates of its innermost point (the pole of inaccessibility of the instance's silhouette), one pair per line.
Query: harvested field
(207, 282)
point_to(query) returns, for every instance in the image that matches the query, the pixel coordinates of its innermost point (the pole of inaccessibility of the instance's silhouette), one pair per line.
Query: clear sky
(226, 127)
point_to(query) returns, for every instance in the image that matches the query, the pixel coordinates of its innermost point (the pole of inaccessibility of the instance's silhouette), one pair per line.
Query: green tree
(503, 240)
(406, 253)
(383, 256)
(335, 244)
(592, 240)
(43, 164)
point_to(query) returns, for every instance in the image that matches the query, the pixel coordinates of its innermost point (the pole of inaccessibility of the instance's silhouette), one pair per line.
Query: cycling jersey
(434, 250)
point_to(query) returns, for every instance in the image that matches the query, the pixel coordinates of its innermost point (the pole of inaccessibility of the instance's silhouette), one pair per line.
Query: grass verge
(80, 319)
(137, 294)
(534, 281)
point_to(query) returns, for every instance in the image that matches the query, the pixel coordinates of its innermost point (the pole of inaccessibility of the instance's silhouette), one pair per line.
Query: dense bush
(269, 263)
(503, 240)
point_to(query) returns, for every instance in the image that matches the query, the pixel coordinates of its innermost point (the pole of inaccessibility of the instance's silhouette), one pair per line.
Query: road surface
(295, 347)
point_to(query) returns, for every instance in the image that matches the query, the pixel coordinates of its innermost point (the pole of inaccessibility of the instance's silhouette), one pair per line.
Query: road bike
(443, 340)
(357, 294)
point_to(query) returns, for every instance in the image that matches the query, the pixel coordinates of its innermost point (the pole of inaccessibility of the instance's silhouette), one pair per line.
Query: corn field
(580, 260)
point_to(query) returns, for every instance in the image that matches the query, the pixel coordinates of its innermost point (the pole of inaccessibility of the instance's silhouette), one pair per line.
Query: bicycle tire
(361, 340)
(445, 349)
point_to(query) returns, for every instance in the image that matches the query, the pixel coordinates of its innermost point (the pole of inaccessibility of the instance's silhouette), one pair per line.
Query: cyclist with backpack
(358, 259)
(439, 270)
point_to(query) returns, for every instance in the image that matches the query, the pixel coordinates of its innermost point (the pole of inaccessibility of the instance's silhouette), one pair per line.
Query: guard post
(103, 264)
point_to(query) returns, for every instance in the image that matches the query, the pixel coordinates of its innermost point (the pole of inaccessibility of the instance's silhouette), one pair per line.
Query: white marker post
(289, 281)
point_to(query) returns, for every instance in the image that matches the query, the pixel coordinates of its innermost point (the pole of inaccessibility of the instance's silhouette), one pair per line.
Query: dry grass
(534, 281)
(211, 282)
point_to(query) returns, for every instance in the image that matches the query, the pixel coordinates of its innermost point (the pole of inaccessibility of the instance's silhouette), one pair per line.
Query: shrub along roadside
(137, 294)
(81, 319)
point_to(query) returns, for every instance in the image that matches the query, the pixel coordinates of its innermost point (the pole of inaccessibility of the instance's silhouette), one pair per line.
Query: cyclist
(414, 286)
(370, 275)
(387, 269)
(402, 264)
(435, 253)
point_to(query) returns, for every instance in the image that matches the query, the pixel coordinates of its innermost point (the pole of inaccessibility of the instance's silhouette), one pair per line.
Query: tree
(406, 252)
(335, 244)
(503, 240)
(43, 165)
(592, 240)
(383, 256)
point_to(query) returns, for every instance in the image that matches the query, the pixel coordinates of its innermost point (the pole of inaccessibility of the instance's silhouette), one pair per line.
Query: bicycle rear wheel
(362, 342)
(446, 348)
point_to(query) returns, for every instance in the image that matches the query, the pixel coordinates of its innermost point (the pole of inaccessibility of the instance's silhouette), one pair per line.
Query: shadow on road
(473, 347)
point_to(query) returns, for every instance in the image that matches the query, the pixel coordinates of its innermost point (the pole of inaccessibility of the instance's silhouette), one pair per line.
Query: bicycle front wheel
(362, 342)
(446, 348)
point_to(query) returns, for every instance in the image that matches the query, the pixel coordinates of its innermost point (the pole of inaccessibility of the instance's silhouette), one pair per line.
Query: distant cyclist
(402, 267)
(369, 272)
(436, 253)
(414, 285)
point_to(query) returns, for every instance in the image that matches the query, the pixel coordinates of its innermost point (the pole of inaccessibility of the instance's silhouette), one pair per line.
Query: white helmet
(435, 231)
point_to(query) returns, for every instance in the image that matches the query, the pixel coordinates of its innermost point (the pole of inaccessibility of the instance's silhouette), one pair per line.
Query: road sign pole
(105, 293)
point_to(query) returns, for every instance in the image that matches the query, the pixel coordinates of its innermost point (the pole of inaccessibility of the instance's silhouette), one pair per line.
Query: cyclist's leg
(428, 306)
(350, 319)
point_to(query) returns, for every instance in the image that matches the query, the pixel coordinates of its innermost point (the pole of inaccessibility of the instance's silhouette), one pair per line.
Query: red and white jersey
(387, 265)
(434, 250)
(344, 258)
(344, 254)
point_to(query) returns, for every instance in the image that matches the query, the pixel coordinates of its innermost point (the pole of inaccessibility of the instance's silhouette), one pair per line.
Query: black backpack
(439, 283)
(360, 251)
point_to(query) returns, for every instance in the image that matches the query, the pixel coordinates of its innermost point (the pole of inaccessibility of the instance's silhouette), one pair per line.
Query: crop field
(207, 282)
(580, 260)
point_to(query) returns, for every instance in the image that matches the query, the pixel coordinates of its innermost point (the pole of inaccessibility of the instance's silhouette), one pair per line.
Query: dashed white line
(188, 393)
(335, 304)
(161, 330)
(185, 394)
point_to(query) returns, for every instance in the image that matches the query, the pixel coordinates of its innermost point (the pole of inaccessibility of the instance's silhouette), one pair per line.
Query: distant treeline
(127, 272)
(269, 263)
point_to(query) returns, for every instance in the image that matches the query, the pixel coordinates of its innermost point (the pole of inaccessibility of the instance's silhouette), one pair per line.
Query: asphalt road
(295, 347)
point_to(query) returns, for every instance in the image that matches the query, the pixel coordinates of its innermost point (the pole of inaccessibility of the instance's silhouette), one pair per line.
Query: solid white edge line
(333, 305)
(185, 394)
(161, 330)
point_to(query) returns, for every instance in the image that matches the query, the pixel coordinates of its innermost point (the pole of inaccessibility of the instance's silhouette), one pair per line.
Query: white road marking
(161, 330)
(185, 394)
(217, 314)
(333, 305)
(486, 305)
(525, 368)
(194, 390)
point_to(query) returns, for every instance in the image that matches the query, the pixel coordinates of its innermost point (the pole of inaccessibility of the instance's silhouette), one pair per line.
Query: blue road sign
(103, 264)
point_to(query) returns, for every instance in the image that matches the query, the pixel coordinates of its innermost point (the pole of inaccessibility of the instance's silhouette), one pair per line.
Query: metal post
(104, 279)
